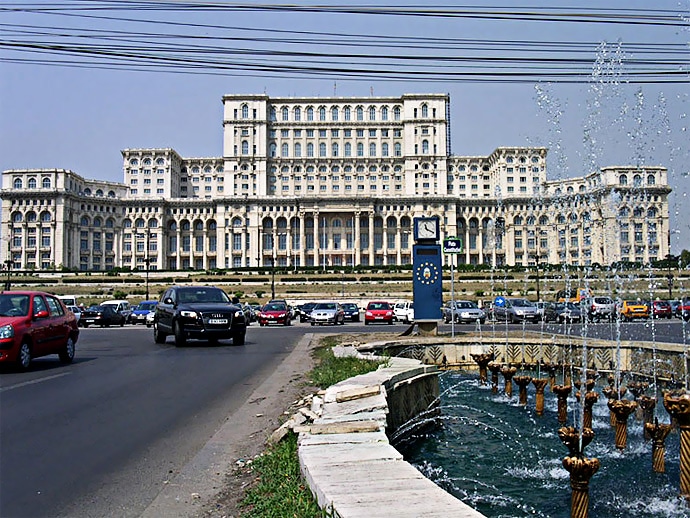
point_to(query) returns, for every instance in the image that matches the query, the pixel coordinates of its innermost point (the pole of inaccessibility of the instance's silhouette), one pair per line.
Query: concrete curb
(358, 474)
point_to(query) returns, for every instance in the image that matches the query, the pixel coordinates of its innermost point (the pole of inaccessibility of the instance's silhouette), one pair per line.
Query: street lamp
(147, 259)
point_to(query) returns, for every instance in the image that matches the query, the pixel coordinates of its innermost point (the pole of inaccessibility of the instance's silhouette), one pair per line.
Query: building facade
(331, 182)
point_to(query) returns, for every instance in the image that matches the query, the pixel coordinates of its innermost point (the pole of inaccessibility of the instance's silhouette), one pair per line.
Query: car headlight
(6, 331)
(368, 313)
(188, 314)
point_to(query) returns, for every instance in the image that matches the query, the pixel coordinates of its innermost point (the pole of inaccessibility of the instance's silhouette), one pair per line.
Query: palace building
(331, 182)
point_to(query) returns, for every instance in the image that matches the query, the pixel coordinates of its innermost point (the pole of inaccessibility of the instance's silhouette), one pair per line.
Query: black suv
(198, 312)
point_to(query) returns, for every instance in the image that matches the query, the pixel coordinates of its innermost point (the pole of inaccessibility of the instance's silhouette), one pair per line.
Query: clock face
(426, 229)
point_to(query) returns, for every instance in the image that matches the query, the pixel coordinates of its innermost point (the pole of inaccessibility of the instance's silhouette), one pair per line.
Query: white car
(404, 311)
(149, 318)
(76, 311)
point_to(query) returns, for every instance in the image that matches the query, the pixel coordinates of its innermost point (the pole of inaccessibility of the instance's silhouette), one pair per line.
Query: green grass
(280, 491)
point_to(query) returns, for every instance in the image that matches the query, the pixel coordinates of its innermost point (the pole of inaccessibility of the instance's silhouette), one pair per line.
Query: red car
(274, 313)
(378, 312)
(33, 324)
(660, 309)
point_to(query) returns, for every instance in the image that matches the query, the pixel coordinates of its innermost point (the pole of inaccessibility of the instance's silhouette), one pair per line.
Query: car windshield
(189, 295)
(14, 305)
(521, 303)
(378, 305)
(466, 305)
(275, 307)
(572, 306)
(349, 306)
(325, 305)
(146, 306)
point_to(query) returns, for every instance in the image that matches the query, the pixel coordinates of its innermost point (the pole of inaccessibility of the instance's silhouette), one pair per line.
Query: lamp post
(147, 260)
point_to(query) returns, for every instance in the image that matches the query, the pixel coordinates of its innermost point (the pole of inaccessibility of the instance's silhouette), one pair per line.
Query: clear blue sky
(79, 117)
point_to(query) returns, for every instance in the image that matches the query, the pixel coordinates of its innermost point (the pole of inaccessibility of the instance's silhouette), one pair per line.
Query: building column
(317, 248)
(371, 238)
(356, 240)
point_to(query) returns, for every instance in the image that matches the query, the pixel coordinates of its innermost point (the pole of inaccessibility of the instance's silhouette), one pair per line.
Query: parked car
(103, 315)
(249, 314)
(547, 312)
(305, 311)
(541, 306)
(274, 313)
(351, 311)
(150, 318)
(599, 308)
(563, 312)
(631, 309)
(463, 312)
(378, 312)
(33, 324)
(120, 306)
(200, 313)
(675, 304)
(400, 310)
(683, 310)
(327, 313)
(660, 309)
(141, 311)
(516, 310)
(76, 310)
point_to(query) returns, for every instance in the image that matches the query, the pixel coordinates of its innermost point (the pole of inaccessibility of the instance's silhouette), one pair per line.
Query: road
(102, 436)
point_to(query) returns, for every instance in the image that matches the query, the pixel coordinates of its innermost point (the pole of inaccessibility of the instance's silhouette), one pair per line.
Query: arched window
(384, 113)
(322, 113)
(245, 147)
(360, 113)
(212, 225)
(561, 219)
(425, 147)
(310, 114)
(284, 150)
(543, 220)
(32, 183)
(139, 223)
(347, 113)
(651, 213)
(531, 220)
(245, 111)
(111, 194)
(17, 217)
(384, 149)
(396, 113)
(185, 225)
(637, 180)
(570, 189)
(298, 149)
(172, 225)
(651, 180)
(425, 110)
(397, 148)
(372, 113)
(624, 212)
(84, 222)
(360, 149)
(372, 149)
(198, 225)
(273, 115)
(348, 149)
(310, 149)
(30, 216)
(45, 183)
(110, 223)
(623, 179)
(45, 217)
(638, 212)
(127, 223)
(335, 149)
(237, 223)
(18, 183)
(298, 114)
(271, 149)
(334, 113)
(286, 114)
(517, 220)
(99, 192)
(97, 222)
(322, 149)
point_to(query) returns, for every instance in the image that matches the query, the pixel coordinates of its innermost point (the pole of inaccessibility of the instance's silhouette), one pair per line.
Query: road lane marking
(33, 382)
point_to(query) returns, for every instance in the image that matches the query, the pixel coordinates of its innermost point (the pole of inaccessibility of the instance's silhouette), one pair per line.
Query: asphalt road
(102, 436)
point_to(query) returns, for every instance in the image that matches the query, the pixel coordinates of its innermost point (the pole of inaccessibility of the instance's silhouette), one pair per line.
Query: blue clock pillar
(427, 286)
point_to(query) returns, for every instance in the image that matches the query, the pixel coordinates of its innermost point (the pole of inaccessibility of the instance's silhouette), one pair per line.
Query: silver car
(517, 310)
(463, 312)
(327, 313)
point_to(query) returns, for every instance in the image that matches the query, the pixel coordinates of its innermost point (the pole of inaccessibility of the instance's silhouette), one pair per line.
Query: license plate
(217, 321)
(90, 320)
(379, 318)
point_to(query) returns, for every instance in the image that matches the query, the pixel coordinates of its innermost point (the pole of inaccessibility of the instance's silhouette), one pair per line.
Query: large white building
(331, 181)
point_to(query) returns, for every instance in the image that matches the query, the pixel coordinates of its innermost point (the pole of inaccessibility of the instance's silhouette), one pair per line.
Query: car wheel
(67, 354)
(446, 320)
(366, 322)
(238, 338)
(512, 319)
(158, 335)
(85, 325)
(122, 323)
(180, 338)
(390, 322)
(24, 357)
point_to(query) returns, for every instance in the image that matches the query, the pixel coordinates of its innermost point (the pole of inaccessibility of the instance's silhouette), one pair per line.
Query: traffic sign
(452, 245)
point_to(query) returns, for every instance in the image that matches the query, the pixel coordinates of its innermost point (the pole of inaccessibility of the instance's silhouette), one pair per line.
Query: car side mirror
(41, 314)
(168, 300)
(235, 300)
